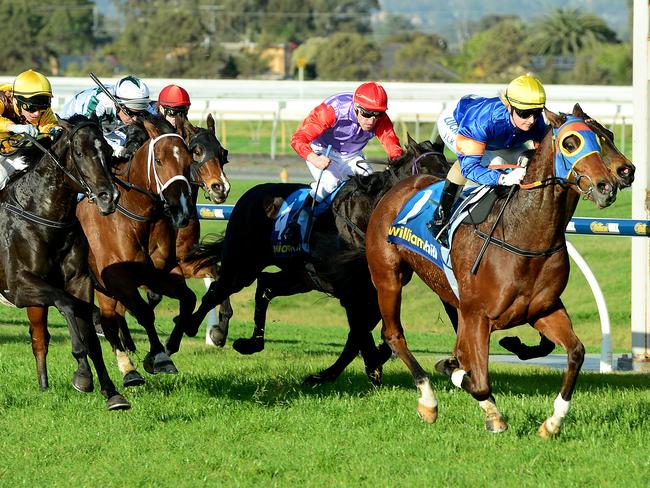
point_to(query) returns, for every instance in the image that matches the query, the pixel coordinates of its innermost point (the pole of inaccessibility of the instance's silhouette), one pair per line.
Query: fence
(577, 225)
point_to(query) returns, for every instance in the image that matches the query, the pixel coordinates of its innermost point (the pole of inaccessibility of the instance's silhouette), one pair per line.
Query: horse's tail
(208, 252)
(346, 267)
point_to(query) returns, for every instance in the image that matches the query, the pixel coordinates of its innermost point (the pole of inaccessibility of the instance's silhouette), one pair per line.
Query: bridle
(160, 186)
(17, 209)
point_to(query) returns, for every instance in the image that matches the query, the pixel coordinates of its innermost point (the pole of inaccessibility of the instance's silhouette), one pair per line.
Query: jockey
(173, 100)
(133, 97)
(24, 109)
(488, 131)
(346, 122)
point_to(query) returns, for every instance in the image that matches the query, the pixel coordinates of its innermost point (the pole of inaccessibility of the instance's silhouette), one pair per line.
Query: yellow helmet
(526, 92)
(30, 84)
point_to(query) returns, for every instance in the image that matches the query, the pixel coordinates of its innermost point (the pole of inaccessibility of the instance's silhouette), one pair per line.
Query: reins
(15, 207)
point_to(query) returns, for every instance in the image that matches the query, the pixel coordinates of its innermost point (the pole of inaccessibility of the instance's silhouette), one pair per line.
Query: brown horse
(623, 172)
(519, 280)
(123, 254)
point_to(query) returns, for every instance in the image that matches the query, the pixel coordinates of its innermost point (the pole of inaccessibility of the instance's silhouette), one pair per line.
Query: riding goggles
(368, 114)
(33, 107)
(130, 113)
(524, 114)
(173, 111)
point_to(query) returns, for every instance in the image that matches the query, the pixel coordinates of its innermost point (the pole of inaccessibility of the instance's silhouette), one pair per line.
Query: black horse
(45, 253)
(245, 251)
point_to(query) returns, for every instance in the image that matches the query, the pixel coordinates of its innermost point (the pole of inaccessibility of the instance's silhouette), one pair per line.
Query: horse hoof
(375, 376)
(247, 346)
(510, 344)
(218, 336)
(147, 363)
(547, 431)
(447, 366)
(427, 414)
(117, 402)
(84, 384)
(161, 363)
(496, 426)
(132, 378)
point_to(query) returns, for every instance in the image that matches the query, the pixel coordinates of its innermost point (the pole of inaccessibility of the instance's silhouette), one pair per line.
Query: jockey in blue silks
(488, 135)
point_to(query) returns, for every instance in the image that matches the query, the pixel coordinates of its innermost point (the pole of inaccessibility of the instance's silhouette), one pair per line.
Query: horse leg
(385, 265)
(269, 285)
(470, 370)
(40, 342)
(110, 320)
(219, 333)
(524, 351)
(557, 327)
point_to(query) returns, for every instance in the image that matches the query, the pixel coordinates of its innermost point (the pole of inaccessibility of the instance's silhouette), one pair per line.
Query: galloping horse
(519, 279)
(44, 256)
(246, 250)
(123, 254)
(623, 171)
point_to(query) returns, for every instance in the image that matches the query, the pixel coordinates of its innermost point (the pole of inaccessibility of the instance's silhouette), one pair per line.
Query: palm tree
(567, 32)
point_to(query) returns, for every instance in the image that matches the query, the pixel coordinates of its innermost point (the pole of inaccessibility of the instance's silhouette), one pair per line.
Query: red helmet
(371, 96)
(174, 96)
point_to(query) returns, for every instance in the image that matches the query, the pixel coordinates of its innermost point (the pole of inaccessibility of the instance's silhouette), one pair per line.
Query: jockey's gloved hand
(119, 152)
(512, 178)
(25, 129)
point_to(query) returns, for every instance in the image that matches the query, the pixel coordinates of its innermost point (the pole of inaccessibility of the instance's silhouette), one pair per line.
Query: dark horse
(45, 252)
(519, 279)
(246, 250)
(124, 256)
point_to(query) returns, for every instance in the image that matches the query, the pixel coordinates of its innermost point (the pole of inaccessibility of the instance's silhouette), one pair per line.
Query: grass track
(228, 420)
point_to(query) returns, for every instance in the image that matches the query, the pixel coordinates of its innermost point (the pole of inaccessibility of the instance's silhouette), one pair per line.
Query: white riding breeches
(341, 167)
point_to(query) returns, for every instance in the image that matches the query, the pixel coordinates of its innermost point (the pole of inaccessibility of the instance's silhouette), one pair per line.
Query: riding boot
(439, 224)
(292, 232)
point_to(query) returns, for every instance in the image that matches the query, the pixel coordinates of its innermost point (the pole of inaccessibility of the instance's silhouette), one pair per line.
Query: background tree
(422, 58)
(495, 55)
(348, 57)
(19, 50)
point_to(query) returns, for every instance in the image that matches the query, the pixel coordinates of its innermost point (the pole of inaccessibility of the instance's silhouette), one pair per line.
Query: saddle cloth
(293, 204)
(409, 229)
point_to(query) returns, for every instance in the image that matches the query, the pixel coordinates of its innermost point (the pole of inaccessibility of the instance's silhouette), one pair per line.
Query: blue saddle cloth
(409, 229)
(293, 204)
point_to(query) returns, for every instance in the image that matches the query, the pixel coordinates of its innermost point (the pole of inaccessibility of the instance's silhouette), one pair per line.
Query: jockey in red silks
(344, 123)
(173, 100)
(485, 134)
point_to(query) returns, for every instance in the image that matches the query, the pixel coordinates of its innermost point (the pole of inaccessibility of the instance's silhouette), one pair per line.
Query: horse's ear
(554, 119)
(151, 129)
(211, 125)
(187, 130)
(578, 112)
(64, 123)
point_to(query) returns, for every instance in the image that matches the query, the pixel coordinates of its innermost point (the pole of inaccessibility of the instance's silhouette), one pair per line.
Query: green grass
(230, 420)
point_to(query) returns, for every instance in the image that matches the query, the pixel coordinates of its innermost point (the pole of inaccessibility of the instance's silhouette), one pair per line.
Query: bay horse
(623, 171)
(44, 256)
(207, 174)
(519, 280)
(245, 250)
(123, 254)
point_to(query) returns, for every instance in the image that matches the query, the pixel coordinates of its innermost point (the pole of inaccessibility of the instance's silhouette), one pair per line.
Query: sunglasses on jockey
(526, 113)
(131, 113)
(173, 111)
(368, 114)
(33, 107)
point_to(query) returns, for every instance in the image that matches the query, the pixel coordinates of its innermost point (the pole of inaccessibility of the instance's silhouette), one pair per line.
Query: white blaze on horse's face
(177, 154)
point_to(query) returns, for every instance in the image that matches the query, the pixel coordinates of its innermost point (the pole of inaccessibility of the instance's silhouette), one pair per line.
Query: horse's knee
(576, 355)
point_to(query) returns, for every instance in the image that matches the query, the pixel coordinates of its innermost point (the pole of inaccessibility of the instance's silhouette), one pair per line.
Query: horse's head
(164, 164)
(209, 159)
(424, 157)
(577, 159)
(87, 156)
(620, 167)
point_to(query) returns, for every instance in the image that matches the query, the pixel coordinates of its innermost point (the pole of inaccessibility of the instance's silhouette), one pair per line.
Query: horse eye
(158, 162)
